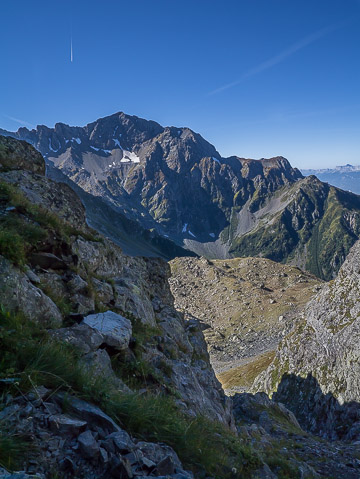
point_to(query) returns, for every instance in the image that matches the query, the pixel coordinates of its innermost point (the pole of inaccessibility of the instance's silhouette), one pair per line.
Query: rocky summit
(173, 182)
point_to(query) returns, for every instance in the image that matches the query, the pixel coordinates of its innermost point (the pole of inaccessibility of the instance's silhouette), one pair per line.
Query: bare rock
(89, 413)
(114, 328)
(81, 336)
(17, 293)
(47, 261)
(19, 155)
(65, 425)
(88, 446)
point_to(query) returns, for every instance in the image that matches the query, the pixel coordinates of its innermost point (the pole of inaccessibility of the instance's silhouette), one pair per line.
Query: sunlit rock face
(316, 372)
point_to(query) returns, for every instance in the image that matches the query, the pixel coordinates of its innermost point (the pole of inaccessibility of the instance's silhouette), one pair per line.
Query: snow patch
(185, 228)
(117, 143)
(192, 234)
(130, 156)
(215, 159)
(78, 141)
(101, 149)
(212, 235)
(51, 148)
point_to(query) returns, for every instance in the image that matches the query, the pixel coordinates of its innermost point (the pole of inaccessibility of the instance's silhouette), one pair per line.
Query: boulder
(114, 328)
(118, 442)
(81, 336)
(88, 412)
(88, 446)
(65, 425)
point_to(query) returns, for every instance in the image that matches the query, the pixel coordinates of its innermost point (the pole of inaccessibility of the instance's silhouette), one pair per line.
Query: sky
(256, 78)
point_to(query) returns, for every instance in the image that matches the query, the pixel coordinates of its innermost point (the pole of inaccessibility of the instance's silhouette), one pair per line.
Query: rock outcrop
(316, 370)
(280, 440)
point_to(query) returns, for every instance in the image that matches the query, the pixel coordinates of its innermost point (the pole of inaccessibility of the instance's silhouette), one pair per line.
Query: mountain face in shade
(174, 182)
(346, 177)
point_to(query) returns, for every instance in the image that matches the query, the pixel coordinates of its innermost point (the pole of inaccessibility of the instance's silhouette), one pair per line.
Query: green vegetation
(29, 357)
(244, 375)
(26, 226)
(332, 239)
(273, 242)
(13, 448)
(281, 466)
(318, 224)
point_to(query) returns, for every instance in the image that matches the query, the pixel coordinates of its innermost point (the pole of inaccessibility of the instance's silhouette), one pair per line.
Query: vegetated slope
(346, 177)
(245, 306)
(316, 369)
(172, 180)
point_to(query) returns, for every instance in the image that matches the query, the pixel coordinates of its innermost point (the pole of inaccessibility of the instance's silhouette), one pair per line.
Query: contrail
(280, 57)
(71, 50)
(21, 122)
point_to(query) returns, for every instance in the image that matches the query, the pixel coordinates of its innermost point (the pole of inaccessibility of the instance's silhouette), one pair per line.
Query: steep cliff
(316, 369)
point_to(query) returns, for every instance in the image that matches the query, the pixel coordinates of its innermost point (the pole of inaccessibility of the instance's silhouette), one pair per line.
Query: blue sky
(257, 78)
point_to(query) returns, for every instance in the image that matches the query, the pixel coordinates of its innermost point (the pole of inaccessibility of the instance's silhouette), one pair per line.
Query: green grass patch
(22, 229)
(13, 449)
(244, 375)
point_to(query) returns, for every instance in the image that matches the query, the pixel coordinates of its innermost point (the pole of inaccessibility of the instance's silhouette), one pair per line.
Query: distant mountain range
(174, 183)
(346, 177)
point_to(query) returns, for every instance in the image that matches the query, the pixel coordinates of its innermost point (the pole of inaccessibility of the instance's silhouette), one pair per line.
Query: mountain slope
(133, 239)
(175, 182)
(316, 369)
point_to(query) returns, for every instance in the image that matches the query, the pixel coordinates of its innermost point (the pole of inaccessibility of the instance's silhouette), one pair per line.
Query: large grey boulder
(114, 328)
